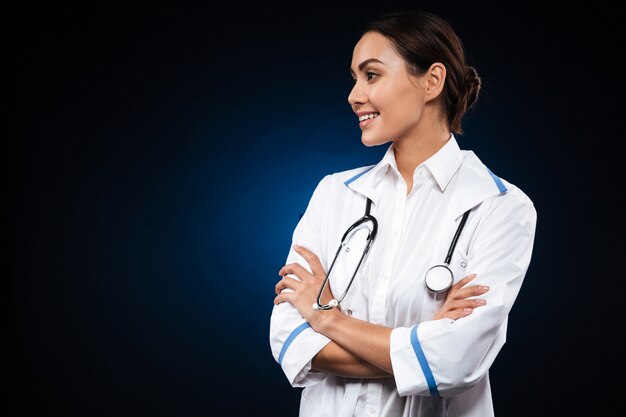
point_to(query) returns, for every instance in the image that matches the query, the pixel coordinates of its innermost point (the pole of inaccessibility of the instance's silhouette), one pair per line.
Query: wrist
(326, 320)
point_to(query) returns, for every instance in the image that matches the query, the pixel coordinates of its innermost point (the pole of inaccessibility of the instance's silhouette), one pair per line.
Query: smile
(367, 119)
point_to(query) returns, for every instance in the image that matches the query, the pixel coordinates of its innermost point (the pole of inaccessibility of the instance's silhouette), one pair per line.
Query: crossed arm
(358, 349)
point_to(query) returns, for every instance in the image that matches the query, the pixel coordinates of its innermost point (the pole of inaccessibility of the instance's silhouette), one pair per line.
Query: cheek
(400, 116)
(400, 104)
(410, 103)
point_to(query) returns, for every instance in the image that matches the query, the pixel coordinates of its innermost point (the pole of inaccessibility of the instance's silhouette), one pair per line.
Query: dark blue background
(157, 159)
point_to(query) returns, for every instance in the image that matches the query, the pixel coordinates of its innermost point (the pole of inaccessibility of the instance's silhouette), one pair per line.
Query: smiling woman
(357, 320)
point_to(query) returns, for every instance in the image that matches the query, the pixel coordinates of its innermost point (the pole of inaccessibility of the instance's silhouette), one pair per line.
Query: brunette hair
(422, 38)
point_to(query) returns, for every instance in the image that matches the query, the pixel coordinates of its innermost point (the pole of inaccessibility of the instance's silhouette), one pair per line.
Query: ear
(434, 79)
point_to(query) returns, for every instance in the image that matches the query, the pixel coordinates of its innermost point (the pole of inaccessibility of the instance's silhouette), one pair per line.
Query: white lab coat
(440, 367)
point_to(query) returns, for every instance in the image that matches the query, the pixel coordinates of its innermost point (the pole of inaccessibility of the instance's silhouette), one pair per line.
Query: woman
(395, 344)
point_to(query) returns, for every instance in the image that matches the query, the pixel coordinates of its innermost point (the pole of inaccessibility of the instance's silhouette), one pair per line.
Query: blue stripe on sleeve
(430, 379)
(290, 339)
(358, 175)
(498, 181)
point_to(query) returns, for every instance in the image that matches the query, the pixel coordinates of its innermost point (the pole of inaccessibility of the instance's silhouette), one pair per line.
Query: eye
(368, 76)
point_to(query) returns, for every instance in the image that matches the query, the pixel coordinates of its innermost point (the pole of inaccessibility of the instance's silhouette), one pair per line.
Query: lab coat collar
(365, 181)
(442, 165)
(445, 162)
(475, 182)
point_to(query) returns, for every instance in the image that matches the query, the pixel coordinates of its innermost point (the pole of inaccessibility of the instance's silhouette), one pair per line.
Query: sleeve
(293, 342)
(446, 357)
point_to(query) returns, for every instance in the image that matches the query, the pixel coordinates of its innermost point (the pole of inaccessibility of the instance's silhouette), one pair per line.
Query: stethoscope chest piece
(439, 278)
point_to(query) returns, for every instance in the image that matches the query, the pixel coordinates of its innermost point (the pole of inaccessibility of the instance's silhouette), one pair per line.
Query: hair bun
(472, 85)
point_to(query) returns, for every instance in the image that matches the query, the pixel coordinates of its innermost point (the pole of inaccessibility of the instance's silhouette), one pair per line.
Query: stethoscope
(439, 278)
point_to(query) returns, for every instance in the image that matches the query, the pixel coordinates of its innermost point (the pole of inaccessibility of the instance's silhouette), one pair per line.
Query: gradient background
(157, 160)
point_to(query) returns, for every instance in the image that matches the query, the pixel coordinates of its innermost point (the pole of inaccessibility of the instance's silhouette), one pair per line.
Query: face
(385, 88)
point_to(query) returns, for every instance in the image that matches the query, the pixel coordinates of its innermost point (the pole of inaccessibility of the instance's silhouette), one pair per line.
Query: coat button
(349, 312)
(463, 264)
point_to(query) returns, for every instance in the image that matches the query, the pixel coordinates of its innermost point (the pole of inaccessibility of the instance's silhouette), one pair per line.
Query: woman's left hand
(304, 292)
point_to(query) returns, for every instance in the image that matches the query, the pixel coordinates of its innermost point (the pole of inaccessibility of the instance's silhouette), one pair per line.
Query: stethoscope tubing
(370, 239)
(456, 237)
(367, 217)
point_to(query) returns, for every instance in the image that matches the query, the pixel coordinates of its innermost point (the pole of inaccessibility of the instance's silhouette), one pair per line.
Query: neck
(411, 151)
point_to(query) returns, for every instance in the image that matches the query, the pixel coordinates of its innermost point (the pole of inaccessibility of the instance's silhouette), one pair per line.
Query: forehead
(374, 45)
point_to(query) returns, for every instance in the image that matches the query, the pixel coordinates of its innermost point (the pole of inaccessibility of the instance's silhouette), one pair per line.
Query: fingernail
(467, 310)
(483, 302)
(296, 247)
(484, 288)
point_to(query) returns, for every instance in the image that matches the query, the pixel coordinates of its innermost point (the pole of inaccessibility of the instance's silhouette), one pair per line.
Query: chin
(371, 141)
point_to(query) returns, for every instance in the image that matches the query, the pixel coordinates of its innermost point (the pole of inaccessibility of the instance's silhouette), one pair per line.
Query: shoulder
(507, 198)
(515, 194)
(338, 181)
(515, 206)
(333, 188)
(512, 205)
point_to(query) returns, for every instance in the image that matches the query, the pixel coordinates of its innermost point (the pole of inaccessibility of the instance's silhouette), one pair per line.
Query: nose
(357, 95)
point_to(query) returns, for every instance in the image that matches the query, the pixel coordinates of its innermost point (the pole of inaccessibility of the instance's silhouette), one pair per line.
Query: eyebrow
(364, 63)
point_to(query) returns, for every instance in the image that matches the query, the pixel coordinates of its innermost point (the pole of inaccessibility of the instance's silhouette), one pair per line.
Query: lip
(362, 112)
(365, 123)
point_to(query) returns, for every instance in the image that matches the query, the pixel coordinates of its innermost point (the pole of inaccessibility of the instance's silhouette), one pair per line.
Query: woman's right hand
(458, 304)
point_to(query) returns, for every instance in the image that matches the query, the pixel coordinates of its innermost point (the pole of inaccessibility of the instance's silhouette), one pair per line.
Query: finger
(461, 304)
(286, 282)
(295, 269)
(457, 314)
(312, 259)
(471, 291)
(463, 281)
(283, 297)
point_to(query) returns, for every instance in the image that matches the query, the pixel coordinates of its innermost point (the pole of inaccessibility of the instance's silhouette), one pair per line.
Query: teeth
(368, 116)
